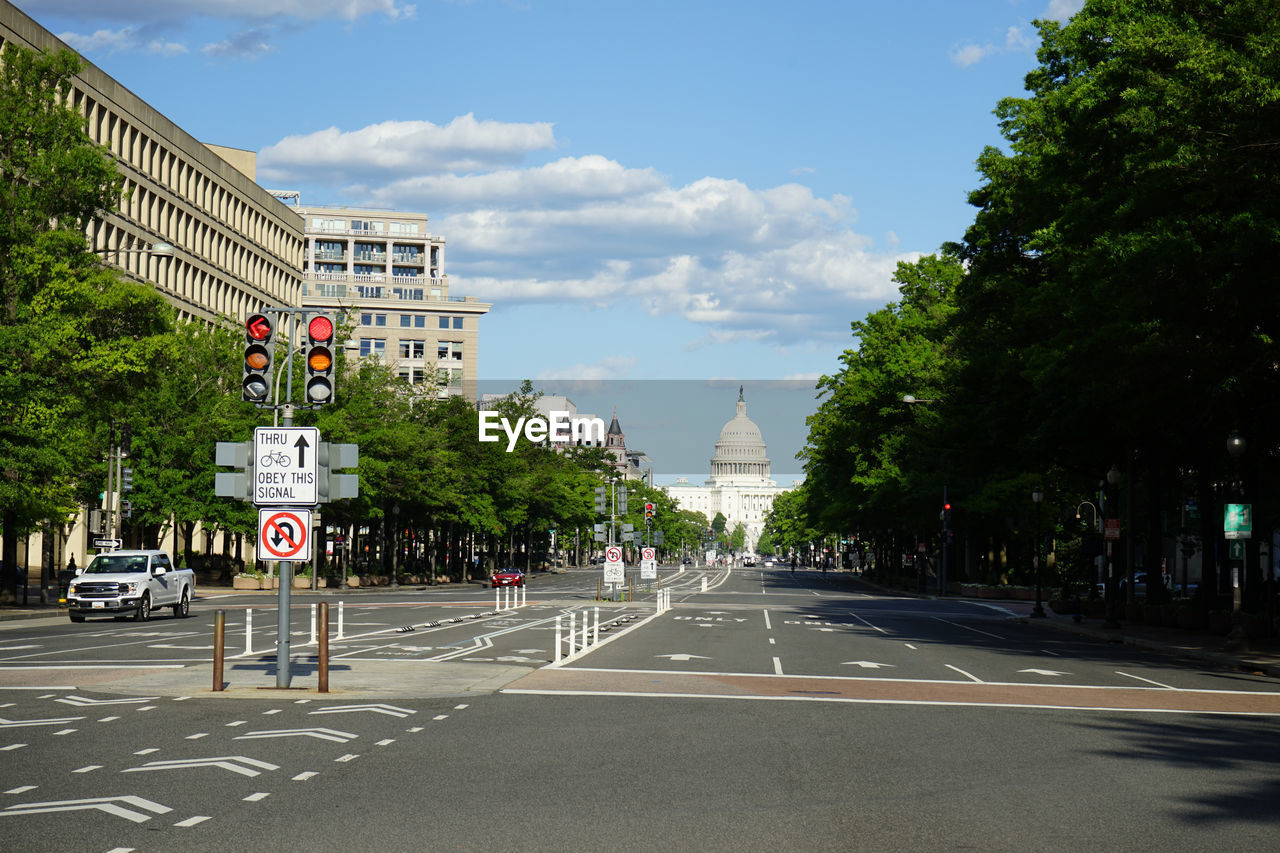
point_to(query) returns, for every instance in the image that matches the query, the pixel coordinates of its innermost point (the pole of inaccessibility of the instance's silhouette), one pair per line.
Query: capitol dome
(740, 450)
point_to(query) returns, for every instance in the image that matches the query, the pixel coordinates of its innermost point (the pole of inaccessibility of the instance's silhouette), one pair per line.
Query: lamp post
(1113, 481)
(1235, 449)
(1037, 496)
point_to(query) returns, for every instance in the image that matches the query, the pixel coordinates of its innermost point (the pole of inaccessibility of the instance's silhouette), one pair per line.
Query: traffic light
(319, 360)
(602, 505)
(648, 512)
(126, 509)
(622, 500)
(946, 514)
(126, 479)
(259, 348)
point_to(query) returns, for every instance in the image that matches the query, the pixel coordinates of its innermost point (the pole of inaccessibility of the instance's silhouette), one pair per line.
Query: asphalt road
(768, 712)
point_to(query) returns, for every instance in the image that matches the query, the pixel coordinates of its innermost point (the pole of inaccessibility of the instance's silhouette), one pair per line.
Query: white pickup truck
(130, 583)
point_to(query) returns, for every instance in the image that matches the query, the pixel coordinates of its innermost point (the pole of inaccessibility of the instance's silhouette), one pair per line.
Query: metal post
(323, 654)
(283, 675)
(219, 638)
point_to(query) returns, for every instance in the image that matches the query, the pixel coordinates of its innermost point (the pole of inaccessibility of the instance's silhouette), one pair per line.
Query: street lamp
(1113, 481)
(1235, 449)
(1037, 496)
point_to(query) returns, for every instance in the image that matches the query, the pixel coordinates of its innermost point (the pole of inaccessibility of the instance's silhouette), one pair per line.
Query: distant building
(739, 485)
(385, 272)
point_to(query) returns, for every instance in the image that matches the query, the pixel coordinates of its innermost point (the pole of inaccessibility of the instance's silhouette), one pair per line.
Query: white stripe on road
(965, 674)
(1148, 680)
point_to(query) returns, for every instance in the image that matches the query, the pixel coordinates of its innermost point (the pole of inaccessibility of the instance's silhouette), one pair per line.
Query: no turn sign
(284, 534)
(614, 571)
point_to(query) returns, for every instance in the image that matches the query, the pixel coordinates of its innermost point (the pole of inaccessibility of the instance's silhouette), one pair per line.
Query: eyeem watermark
(559, 428)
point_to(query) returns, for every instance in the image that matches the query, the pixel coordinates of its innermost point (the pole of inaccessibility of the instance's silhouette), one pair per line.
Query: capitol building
(739, 486)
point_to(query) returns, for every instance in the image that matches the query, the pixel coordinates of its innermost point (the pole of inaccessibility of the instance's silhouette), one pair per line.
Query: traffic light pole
(284, 601)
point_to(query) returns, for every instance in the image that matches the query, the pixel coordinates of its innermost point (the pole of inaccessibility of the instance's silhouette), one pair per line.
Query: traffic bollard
(248, 631)
(557, 653)
(219, 638)
(323, 652)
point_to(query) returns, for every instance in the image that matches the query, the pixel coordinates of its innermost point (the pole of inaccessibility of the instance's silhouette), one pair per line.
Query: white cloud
(128, 38)
(406, 148)
(1062, 10)
(260, 19)
(969, 54)
(610, 367)
(778, 264)
(244, 10)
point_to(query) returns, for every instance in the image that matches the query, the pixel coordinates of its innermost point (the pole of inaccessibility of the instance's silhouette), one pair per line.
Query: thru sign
(284, 466)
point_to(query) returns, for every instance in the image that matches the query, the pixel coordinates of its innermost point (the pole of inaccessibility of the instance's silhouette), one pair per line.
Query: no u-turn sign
(284, 534)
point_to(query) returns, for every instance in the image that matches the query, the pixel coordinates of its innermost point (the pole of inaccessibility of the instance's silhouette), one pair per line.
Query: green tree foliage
(74, 339)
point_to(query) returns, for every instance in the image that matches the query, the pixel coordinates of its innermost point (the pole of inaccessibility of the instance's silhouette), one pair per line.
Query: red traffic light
(258, 327)
(320, 329)
(947, 507)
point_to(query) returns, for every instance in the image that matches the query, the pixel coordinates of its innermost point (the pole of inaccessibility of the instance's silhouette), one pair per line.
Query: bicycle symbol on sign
(277, 457)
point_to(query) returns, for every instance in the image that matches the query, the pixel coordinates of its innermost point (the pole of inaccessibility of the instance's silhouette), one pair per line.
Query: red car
(508, 577)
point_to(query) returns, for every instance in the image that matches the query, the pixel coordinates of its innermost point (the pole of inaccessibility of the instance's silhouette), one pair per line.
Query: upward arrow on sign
(302, 444)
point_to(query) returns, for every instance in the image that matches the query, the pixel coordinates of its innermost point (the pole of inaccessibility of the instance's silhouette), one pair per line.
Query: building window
(370, 319)
(404, 228)
(457, 322)
(367, 225)
(319, 224)
(373, 346)
(413, 349)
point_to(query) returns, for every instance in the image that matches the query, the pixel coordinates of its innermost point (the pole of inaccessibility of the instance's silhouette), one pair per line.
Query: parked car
(508, 577)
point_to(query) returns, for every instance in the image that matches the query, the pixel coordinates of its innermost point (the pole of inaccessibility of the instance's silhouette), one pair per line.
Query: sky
(662, 190)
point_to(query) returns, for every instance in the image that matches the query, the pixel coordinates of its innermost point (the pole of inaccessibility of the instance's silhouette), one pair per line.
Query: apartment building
(385, 271)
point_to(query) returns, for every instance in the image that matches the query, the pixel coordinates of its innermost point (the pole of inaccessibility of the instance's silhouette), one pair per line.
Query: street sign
(1112, 530)
(284, 534)
(1237, 522)
(284, 471)
(648, 563)
(107, 543)
(614, 571)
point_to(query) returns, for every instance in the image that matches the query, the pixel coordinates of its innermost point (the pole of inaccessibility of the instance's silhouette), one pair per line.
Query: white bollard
(595, 632)
(573, 631)
(704, 584)
(315, 608)
(557, 654)
(248, 631)
(339, 620)
(585, 628)
(524, 595)
(497, 598)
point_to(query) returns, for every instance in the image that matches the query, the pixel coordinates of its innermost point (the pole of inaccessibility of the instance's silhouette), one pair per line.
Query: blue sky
(658, 190)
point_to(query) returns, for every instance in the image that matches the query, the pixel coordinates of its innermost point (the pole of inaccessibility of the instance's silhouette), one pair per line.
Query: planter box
(302, 583)
(246, 583)
(353, 581)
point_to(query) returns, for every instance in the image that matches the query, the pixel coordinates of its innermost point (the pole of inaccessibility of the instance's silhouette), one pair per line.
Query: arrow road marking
(106, 804)
(226, 762)
(866, 664)
(58, 721)
(1043, 672)
(389, 710)
(82, 701)
(683, 657)
(322, 734)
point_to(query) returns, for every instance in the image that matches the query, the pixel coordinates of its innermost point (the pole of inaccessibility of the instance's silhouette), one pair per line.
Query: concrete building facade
(385, 272)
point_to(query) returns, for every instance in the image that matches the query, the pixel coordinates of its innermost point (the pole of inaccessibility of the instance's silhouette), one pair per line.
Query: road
(767, 712)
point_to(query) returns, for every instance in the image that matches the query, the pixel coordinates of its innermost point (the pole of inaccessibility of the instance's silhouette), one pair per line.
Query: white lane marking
(772, 641)
(147, 751)
(21, 790)
(88, 768)
(868, 624)
(1044, 672)
(767, 624)
(777, 666)
(441, 717)
(965, 674)
(460, 707)
(192, 821)
(386, 741)
(197, 735)
(350, 756)
(908, 645)
(108, 719)
(305, 775)
(1148, 680)
(866, 664)
(967, 628)
(253, 798)
(235, 723)
(12, 747)
(320, 734)
(949, 703)
(66, 731)
(415, 729)
(272, 711)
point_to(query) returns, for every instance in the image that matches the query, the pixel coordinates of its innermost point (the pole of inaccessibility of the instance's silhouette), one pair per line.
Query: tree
(70, 332)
